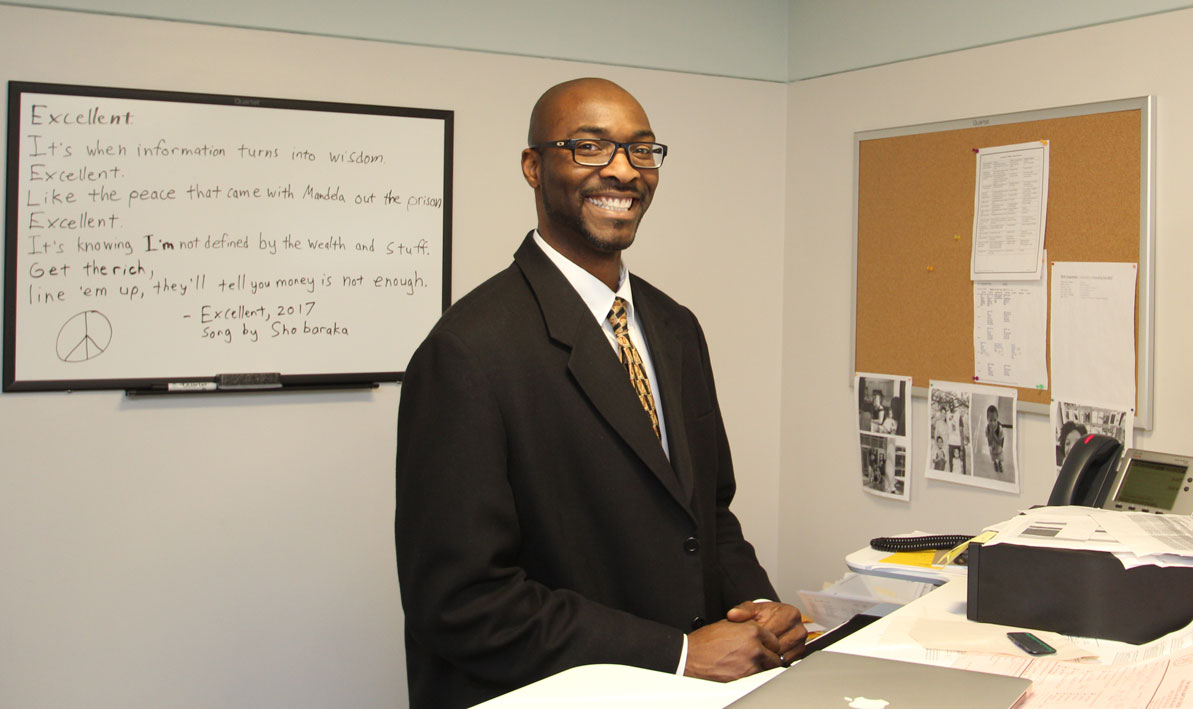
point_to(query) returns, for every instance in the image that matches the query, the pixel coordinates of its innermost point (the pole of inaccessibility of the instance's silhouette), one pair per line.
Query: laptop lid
(834, 680)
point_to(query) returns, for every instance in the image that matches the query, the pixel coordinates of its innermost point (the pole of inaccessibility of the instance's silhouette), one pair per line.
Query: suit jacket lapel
(594, 364)
(666, 352)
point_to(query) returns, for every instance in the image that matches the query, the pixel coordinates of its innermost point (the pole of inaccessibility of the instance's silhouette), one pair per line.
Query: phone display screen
(1151, 484)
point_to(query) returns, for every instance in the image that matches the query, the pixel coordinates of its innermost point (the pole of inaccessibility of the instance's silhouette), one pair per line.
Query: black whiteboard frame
(11, 245)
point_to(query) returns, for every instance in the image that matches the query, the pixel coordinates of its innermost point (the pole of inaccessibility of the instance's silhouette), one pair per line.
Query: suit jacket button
(691, 545)
(697, 623)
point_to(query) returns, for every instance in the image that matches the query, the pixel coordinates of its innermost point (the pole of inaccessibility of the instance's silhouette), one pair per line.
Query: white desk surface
(884, 637)
(1158, 667)
(636, 688)
(627, 688)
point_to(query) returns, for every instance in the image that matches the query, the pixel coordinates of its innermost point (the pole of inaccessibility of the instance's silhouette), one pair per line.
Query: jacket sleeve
(458, 539)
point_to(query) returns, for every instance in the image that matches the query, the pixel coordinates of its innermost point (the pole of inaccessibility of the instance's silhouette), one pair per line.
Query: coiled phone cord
(922, 543)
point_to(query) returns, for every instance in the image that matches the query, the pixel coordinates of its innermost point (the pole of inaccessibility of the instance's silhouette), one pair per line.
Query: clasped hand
(754, 636)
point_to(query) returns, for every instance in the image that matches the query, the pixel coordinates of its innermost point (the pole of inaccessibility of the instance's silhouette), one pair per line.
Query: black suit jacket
(539, 524)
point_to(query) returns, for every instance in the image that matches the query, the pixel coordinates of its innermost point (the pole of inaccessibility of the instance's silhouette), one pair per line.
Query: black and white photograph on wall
(884, 466)
(1072, 421)
(972, 435)
(883, 425)
(881, 403)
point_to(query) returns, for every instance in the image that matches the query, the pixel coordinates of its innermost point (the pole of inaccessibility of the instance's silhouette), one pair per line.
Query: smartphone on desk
(1030, 644)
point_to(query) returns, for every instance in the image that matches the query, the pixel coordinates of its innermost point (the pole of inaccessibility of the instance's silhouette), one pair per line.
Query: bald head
(566, 98)
(588, 213)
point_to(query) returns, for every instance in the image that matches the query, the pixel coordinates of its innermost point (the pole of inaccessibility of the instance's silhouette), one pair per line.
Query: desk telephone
(1094, 475)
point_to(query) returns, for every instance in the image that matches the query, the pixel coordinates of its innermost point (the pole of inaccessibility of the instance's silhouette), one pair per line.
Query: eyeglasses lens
(599, 153)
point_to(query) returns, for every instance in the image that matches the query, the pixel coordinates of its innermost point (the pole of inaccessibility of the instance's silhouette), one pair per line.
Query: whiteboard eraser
(250, 380)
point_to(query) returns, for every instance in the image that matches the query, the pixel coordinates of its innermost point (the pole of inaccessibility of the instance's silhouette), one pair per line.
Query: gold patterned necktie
(632, 361)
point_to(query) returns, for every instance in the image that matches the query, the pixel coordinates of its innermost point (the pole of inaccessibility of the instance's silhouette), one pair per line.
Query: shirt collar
(595, 294)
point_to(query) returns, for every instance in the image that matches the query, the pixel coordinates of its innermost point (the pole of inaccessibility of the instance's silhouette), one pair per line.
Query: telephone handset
(1086, 474)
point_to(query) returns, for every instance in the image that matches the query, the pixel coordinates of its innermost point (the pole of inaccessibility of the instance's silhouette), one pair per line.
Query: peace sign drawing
(84, 336)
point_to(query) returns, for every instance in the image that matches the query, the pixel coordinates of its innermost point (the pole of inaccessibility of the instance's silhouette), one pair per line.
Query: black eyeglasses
(591, 152)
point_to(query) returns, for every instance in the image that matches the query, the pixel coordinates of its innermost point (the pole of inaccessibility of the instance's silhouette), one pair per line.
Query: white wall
(831, 36)
(823, 512)
(771, 40)
(744, 38)
(236, 551)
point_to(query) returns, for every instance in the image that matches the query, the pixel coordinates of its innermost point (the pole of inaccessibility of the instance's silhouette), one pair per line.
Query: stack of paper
(1135, 538)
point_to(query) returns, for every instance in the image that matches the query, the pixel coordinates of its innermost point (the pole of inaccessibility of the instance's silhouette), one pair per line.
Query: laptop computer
(834, 680)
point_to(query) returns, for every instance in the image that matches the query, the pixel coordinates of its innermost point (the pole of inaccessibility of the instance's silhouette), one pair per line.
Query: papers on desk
(858, 593)
(1157, 683)
(1135, 538)
(1116, 675)
(1113, 675)
(935, 629)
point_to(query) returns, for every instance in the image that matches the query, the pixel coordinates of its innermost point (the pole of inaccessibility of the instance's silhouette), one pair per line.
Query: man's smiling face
(583, 208)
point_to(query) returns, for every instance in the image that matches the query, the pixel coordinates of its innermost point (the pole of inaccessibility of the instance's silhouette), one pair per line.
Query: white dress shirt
(599, 299)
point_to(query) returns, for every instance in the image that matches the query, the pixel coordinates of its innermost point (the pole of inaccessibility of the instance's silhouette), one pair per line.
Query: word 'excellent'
(41, 115)
(84, 220)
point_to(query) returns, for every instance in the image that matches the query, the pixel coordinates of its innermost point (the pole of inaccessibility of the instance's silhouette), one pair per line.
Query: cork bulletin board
(914, 214)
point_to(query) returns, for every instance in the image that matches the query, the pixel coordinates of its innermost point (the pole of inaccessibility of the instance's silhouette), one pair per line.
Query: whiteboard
(159, 237)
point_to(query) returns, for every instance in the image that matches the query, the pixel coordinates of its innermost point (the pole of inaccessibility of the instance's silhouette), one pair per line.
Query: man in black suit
(550, 512)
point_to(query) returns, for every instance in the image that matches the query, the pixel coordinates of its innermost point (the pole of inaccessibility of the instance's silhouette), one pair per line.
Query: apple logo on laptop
(863, 703)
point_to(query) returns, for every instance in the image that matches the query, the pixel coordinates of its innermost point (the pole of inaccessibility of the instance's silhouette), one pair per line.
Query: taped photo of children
(972, 435)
